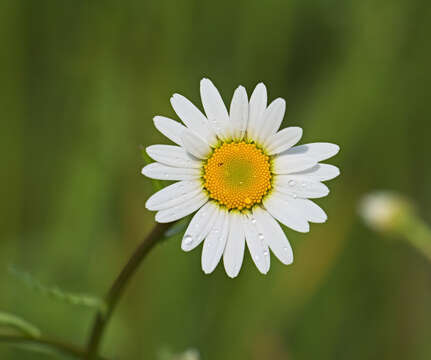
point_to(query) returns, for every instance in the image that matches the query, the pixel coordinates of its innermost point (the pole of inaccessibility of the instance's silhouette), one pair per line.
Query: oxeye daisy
(241, 174)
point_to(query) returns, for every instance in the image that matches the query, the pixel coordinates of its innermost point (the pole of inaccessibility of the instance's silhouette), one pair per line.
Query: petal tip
(205, 81)
(149, 150)
(231, 275)
(206, 271)
(161, 220)
(185, 246)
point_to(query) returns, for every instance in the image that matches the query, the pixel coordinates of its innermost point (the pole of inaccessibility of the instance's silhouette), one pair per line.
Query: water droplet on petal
(253, 220)
(188, 239)
(291, 182)
(285, 248)
(261, 237)
(266, 253)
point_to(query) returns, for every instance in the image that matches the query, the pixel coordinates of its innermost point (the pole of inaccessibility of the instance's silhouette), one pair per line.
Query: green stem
(49, 344)
(418, 233)
(118, 287)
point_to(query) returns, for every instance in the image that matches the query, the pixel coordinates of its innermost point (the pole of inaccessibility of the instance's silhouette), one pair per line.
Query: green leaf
(19, 324)
(56, 293)
(41, 349)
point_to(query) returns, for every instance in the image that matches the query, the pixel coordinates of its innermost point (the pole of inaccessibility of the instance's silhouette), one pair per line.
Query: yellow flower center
(237, 175)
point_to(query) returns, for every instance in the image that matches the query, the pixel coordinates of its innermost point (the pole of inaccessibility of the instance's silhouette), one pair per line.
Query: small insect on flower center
(237, 175)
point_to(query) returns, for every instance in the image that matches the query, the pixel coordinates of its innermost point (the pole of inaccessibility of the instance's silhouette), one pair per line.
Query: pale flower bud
(191, 354)
(384, 210)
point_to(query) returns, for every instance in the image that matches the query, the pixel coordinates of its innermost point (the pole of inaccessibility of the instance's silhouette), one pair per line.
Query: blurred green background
(80, 83)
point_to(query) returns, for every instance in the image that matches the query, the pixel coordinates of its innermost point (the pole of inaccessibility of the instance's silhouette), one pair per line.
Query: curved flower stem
(48, 344)
(118, 287)
(417, 232)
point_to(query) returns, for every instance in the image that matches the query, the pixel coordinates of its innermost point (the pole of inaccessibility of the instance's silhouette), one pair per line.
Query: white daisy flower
(241, 174)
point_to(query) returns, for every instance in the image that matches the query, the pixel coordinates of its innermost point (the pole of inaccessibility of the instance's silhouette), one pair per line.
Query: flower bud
(384, 210)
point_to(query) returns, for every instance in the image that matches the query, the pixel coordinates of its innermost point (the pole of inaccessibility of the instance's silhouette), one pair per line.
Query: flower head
(384, 210)
(241, 174)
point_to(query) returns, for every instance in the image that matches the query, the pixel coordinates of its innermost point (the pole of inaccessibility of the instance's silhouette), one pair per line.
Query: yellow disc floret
(237, 175)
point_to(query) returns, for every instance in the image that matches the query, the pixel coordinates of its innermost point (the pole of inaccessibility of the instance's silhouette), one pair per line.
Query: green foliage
(19, 324)
(35, 348)
(56, 293)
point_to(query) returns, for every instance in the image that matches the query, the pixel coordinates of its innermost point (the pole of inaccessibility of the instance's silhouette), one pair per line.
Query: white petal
(200, 226)
(287, 164)
(164, 172)
(193, 118)
(234, 252)
(318, 151)
(215, 108)
(239, 113)
(256, 244)
(271, 120)
(256, 108)
(321, 172)
(311, 211)
(283, 140)
(195, 145)
(170, 128)
(286, 213)
(173, 195)
(172, 155)
(274, 235)
(179, 211)
(215, 242)
(300, 186)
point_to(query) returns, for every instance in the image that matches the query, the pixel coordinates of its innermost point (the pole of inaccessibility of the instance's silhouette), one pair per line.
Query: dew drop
(253, 220)
(261, 237)
(256, 258)
(188, 239)
(266, 253)
(285, 248)
(303, 184)
(291, 182)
